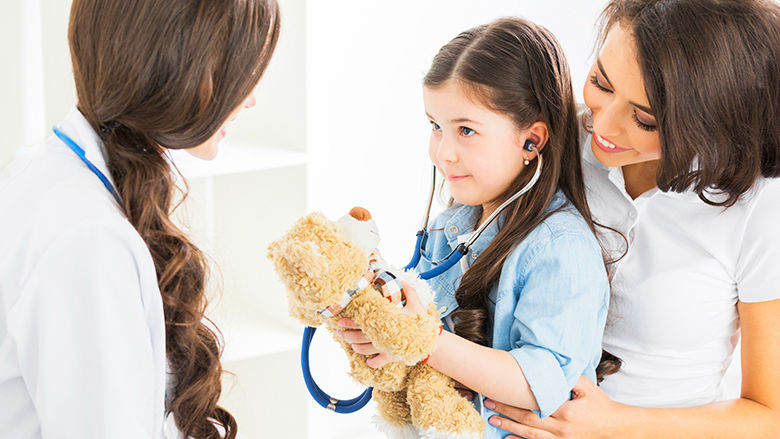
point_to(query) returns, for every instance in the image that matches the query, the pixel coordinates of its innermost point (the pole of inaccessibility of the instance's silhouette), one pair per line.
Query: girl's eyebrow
(458, 120)
(604, 74)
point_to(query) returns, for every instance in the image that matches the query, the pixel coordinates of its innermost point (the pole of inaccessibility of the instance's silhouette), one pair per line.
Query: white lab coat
(82, 333)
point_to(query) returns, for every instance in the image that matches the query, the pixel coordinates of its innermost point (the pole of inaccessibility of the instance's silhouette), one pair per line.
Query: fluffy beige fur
(318, 263)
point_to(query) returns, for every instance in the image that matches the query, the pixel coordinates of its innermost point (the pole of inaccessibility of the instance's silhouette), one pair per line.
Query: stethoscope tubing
(458, 252)
(70, 143)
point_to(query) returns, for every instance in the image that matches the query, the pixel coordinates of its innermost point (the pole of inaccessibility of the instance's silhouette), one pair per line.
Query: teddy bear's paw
(432, 433)
(394, 431)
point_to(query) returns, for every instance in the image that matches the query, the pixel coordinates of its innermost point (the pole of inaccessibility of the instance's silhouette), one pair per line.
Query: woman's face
(208, 149)
(624, 129)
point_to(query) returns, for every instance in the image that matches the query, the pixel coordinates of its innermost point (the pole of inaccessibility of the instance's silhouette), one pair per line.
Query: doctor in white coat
(101, 295)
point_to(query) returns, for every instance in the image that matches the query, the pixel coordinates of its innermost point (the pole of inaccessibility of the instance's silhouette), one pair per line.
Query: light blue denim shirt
(550, 304)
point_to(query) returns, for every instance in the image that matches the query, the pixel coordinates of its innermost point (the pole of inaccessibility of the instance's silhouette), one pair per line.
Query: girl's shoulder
(564, 234)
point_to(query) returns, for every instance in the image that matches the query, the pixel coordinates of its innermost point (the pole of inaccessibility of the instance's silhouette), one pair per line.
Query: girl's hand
(362, 345)
(590, 415)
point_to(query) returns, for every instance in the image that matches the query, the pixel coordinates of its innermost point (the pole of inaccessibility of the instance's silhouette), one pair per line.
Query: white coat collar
(76, 127)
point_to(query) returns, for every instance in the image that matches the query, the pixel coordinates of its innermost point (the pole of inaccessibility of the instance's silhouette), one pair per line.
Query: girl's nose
(445, 151)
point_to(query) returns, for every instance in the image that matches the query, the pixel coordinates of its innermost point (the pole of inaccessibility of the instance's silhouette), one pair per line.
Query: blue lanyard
(83, 156)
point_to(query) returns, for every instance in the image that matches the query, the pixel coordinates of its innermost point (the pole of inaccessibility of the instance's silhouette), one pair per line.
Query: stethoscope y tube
(454, 256)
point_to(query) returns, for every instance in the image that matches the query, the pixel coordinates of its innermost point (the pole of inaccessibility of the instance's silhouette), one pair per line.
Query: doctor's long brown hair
(518, 69)
(168, 73)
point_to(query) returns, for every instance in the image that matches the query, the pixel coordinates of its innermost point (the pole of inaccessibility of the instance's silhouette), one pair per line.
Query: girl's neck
(640, 177)
(487, 210)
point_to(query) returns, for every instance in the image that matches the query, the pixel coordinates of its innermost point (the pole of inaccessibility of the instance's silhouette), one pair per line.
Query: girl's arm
(491, 372)
(755, 415)
(550, 319)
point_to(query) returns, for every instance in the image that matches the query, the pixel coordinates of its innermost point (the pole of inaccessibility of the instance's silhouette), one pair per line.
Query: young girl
(525, 310)
(101, 295)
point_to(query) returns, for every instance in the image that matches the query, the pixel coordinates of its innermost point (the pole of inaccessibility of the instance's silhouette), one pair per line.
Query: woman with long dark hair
(102, 297)
(684, 160)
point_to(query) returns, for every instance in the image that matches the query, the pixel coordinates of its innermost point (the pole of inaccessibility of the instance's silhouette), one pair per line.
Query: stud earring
(526, 161)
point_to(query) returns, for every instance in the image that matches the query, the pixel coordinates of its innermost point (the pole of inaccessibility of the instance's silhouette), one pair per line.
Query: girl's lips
(456, 177)
(607, 146)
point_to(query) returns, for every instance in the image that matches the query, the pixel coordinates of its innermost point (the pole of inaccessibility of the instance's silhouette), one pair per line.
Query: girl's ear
(537, 135)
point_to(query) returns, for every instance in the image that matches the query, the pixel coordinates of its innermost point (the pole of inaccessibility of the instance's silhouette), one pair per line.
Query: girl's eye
(435, 126)
(595, 81)
(467, 132)
(642, 125)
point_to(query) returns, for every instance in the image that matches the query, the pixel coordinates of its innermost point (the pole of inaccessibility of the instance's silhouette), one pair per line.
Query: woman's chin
(207, 151)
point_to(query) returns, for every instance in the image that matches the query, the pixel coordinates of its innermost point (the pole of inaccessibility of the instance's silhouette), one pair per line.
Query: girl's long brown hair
(157, 74)
(516, 68)
(711, 70)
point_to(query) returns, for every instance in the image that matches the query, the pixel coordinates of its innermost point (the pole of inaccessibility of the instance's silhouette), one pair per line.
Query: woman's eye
(466, 131)
(642, 125)
(435, 126)
(595, 81)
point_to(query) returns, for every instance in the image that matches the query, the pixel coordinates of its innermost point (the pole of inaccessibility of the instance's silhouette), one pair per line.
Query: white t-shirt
(82, 333)
(673, 318)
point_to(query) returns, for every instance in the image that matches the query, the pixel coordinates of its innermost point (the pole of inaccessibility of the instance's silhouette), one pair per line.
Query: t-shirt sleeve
(559, 317)
(758, 264)
(84, 347)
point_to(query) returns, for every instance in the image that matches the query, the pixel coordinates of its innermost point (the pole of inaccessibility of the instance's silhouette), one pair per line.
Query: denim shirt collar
(464, 220)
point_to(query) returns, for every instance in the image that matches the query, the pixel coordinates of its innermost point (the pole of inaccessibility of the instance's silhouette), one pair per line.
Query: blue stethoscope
(440, 266)
(83, 156)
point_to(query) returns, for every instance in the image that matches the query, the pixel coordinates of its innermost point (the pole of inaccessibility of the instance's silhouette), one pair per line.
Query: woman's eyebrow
(604, 74)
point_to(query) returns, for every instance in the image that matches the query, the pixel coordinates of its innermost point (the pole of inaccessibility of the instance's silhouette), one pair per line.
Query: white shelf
(233, 159)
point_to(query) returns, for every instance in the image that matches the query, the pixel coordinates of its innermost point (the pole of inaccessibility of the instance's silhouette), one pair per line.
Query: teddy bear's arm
(406, 337)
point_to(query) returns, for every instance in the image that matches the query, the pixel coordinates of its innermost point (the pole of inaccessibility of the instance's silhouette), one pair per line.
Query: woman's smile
(607, 146)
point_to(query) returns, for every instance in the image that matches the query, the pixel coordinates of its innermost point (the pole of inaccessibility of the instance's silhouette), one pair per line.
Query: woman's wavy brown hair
(711, 70)
(516, 68)
(157, 74)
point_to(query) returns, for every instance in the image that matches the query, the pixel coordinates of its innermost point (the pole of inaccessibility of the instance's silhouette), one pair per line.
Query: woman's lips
(456, 177)
(607, 146)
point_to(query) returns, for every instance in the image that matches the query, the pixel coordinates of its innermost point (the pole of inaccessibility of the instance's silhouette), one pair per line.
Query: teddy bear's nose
(360, 214)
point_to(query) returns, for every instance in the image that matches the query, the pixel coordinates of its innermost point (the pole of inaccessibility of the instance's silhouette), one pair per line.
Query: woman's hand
(362, 345)
(589, 415)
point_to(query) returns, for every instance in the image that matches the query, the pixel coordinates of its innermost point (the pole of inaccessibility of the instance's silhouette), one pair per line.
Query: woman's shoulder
(48, 196)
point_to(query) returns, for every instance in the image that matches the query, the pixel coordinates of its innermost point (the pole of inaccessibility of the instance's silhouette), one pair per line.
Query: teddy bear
(331, 270)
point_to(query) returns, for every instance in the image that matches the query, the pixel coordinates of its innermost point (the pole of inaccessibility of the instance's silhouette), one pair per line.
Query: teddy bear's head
(317, 263)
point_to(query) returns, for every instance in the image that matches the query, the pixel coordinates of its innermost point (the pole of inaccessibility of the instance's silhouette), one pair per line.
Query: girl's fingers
(412, 298)
(379, 361)
(348, 323)
(353, 336)
(364, 348)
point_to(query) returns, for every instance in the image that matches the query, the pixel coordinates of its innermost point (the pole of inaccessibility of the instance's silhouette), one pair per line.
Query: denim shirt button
(443, 309)
(473, 255)
(453, 229)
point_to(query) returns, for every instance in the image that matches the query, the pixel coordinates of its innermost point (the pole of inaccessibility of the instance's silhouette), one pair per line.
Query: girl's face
(624, 129)
(477, 150)
(208, 149)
